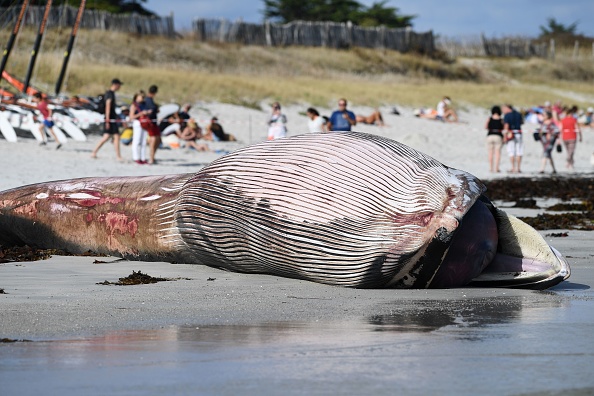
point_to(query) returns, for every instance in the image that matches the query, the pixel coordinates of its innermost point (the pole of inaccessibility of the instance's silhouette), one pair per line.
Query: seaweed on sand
(563, 188)
(138, 278)
(9, 254)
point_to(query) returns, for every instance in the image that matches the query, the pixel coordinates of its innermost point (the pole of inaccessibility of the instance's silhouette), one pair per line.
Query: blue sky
(448, 18)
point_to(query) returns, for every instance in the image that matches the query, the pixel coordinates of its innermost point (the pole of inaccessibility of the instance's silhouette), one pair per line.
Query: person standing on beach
(110, 127)
(512, 130)
(316, 123)
(342, 120)
(137, 111)
(548, 134)
(154, 133)
(277, 123)
(46, 112)
(570, 130)
(494, 128)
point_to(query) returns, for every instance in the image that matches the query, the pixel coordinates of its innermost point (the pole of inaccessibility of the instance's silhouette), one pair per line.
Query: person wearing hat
(445, 111)
(111, 128)
(586, 119)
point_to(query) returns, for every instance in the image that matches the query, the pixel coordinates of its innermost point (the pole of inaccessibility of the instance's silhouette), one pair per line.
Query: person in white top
(277, 123)
(445, 112)
(316, 123)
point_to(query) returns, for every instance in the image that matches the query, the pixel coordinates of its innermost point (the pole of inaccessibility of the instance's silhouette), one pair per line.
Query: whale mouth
(491, 248)
(523, 260)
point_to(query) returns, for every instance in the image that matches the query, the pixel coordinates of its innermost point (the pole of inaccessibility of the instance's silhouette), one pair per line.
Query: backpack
(101, 104)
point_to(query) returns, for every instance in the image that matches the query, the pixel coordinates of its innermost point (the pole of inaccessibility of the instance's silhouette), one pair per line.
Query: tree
(378, 14)
(553, 27)
(335, 11)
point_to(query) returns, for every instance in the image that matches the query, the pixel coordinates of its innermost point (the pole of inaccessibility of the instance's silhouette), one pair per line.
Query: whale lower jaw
(524, 260)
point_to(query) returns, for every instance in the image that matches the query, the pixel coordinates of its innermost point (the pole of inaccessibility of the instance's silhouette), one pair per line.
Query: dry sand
(59, 298)
(460, 145)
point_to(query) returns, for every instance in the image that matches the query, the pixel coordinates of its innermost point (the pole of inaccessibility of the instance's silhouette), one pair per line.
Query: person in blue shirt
(512, 132)
(342, 119)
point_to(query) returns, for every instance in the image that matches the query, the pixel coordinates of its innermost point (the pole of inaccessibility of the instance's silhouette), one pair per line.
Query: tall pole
(37, 45)
(15, 31)
(79, 15)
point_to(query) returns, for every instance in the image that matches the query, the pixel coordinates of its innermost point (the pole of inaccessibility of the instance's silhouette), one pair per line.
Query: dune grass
(189, 71)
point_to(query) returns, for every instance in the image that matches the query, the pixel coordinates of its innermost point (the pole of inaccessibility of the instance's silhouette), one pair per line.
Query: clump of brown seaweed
(138, 278)
(26, 253)
(524, 190)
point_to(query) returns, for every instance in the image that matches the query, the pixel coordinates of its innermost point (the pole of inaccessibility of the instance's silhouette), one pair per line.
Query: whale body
(348, 209)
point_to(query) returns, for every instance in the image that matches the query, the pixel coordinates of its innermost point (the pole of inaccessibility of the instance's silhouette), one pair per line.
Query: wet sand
(227, 333)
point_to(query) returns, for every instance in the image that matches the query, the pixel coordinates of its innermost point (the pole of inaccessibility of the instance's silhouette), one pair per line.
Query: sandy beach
(458, 145)
(215, 332)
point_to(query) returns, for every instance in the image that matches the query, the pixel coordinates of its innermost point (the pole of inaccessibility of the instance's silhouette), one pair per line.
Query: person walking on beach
(277, 123)
(494, 128)
(342, 120)
(154, 133)
(110, 127)
(46, 112)
(512, 130)
(548, 133)
(139, 134)
(570, 130)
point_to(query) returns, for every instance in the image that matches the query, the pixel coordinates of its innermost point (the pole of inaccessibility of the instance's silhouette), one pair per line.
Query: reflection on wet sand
(430, 315)
(510, 338)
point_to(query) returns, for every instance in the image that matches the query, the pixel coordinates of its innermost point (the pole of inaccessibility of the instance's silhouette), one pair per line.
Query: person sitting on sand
(177, 134)
(190, 134)
(445, 111)
(184, 112)
(215, 132)
(374, 118)
(586, 118)
(430, 114)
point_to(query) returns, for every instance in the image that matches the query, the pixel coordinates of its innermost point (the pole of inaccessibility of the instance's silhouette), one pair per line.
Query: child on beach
(46, 112)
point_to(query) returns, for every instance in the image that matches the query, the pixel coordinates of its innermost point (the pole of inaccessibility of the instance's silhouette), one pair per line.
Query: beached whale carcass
(347, 209)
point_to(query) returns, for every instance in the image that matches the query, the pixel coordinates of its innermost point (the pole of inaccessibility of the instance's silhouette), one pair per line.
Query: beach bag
(145, 122)
(559, 148)
(536, 136)
(101, 105)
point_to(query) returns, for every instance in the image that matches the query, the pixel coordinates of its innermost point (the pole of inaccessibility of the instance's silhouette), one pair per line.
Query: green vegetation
(189, 71)
(377, 14)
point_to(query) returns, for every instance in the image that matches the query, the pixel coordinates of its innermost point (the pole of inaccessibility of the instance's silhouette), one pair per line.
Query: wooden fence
(480, 46)
(64, 16)
(515, 48)
(313, 34)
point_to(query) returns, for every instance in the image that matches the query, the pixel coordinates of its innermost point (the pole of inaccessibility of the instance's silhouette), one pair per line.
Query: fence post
(552, 49)
(268, 37)
(349, 34)
(576, 49)
(407, 38)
